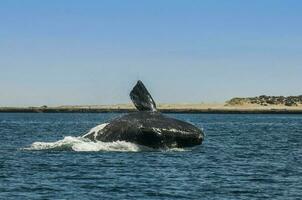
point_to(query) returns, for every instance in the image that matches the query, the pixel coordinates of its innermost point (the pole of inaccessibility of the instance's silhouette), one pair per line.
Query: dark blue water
(243, 157)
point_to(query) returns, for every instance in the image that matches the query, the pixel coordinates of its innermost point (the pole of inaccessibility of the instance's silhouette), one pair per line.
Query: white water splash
(70, 143)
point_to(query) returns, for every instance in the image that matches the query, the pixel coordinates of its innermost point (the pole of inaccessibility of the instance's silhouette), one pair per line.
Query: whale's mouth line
(80, 144)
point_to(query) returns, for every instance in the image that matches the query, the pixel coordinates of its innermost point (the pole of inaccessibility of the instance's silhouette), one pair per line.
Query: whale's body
(148, 127)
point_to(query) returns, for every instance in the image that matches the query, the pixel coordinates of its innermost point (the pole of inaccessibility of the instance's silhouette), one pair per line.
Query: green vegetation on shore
(264, 100)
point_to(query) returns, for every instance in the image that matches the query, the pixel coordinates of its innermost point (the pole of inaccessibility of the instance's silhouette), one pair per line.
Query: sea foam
(70, 143)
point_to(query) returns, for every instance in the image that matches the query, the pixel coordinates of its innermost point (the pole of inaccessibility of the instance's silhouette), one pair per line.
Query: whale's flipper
(141, 98)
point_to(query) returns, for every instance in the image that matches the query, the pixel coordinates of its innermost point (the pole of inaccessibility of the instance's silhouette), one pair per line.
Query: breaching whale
(147, 126)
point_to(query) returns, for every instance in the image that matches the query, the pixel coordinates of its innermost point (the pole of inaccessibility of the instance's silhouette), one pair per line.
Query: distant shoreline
(165, 108)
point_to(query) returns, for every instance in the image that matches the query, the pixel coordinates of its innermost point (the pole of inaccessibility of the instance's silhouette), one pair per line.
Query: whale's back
(151, 129)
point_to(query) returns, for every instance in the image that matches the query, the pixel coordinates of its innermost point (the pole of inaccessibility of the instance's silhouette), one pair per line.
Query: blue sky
(92, 52)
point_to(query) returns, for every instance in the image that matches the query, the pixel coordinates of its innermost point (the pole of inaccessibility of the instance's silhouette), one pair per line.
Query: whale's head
(158, 130)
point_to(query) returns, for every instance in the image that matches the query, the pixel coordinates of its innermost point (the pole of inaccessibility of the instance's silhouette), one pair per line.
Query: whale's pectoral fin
(141, 98)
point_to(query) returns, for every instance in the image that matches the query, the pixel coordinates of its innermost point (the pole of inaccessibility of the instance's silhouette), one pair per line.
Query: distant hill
(264, 100)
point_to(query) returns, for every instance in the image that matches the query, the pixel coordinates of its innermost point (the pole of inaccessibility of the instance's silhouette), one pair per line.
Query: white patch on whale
(96, 130)
(157, 130)
(173, 130)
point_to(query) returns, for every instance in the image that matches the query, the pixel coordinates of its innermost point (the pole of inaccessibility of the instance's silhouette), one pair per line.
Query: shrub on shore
(267, 100)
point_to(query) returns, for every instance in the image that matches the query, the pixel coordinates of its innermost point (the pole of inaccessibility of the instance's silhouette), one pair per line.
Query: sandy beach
(166, 108)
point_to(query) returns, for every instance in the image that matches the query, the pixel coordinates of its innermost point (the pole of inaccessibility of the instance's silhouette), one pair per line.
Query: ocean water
(243, 157)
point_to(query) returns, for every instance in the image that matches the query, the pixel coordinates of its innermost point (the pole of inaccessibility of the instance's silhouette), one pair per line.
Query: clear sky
(92, 52)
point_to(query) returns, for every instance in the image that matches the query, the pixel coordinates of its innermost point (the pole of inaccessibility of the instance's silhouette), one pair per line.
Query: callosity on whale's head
(148, 126)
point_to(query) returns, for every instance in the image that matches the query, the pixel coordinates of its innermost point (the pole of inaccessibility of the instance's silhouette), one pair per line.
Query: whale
(147, 126)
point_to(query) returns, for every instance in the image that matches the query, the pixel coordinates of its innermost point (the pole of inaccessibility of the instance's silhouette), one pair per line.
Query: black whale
(148, 127)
